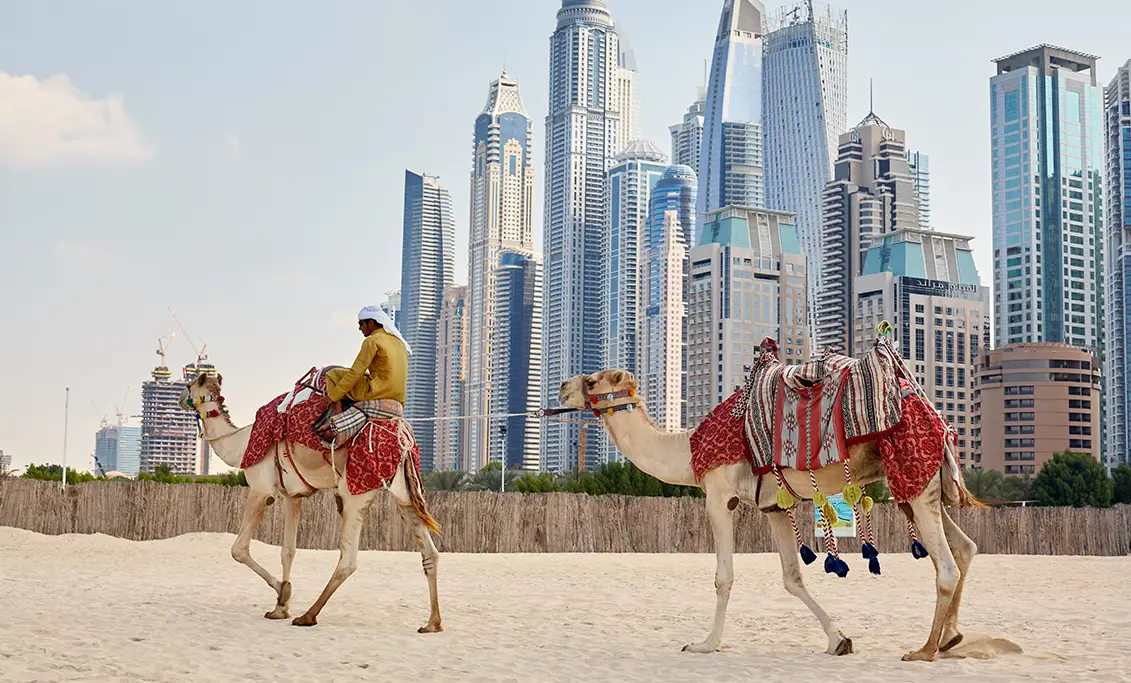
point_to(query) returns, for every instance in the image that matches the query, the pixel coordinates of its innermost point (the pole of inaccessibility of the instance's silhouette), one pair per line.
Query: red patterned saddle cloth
(373, 455)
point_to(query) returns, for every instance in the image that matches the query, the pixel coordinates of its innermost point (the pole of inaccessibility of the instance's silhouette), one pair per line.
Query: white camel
(275, 477)
(667, 456)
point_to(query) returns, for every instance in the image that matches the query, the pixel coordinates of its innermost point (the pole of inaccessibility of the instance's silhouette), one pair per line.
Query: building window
(938, 346)
(920, 343)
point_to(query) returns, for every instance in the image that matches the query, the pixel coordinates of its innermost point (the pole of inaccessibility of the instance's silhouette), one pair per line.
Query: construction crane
(202, 354)
(163, 346)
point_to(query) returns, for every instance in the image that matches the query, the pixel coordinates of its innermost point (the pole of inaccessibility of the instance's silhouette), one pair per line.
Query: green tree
(1017, 488)
(540, 482)
(1121, 478)
(490, 477)
(878, 491)
(55, 473)
(1073, 479)
(445, 480)
(983, 484)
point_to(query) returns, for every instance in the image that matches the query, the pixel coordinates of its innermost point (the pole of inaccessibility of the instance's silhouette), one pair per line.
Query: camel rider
(377, 380)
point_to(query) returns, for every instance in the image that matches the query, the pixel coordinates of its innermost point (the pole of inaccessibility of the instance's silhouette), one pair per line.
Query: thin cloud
(84, 257)
(234, 146)
(52, 123)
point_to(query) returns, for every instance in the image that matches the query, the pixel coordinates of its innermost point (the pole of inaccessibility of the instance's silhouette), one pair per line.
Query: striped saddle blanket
(804, 417)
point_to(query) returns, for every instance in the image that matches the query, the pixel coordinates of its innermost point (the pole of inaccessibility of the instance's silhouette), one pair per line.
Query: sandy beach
(96, 608)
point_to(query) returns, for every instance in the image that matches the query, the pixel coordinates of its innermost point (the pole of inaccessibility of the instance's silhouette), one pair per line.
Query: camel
(278, 476)
(667, 456)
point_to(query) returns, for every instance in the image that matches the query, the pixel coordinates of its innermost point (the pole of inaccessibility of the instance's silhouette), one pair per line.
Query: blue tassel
(842, 568)
(832, 565)
(807, 555)
(918, 551)
(869, 551)
(874, 565)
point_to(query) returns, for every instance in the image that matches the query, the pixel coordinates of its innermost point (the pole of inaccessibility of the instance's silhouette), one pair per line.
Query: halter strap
(591, 402)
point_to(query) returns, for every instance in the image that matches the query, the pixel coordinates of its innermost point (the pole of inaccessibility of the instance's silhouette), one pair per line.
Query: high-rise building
(919, 167)
(168, 432)
(1034, 400)
(117, 448)
(451, 369)
(427, 269)
(731, 159)
(392, 306)
(871, 194)
(628, 82)
(502, 201)
(584, 132)
(747, 283)
(662, 362)
(1117, 354)
(629, 187)
(805, 83)
(687, 136)
(5, 462)
(1047, 150)
(926, 284)
(516, 361)
(191, 372)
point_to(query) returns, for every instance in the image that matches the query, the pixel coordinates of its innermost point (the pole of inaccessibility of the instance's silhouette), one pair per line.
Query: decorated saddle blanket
(373, 454)
(914, 450)
(719, 439)
(806, 416)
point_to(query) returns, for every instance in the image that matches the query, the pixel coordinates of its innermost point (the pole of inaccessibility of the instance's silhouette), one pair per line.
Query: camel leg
(353, 515)
(429, 555)
(839, 644)
(720, 510)
(290, 542)
(928, 516)
(964, 551)
(241, 550)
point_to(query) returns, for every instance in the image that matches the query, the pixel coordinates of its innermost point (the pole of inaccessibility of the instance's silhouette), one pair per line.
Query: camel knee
(288, 554)
(344, 571)
(794, 586)
(948, 577)
(241, 553)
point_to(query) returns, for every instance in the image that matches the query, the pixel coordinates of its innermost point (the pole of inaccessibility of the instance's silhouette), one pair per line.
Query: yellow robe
(379, 371)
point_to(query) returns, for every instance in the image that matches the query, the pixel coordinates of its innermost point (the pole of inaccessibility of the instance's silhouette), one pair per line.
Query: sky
(243, 163)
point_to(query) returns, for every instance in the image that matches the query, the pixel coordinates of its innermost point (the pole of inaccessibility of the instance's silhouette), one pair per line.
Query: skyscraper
(427, 268)
(805, 85)
(926, 284)
(731, 159)
(662, 366)
(871, 194)
(1117, 370)
(919, 167)
(1047, 151)
(5, 462)
(687, 136)
(747, 283)
(117, 448)
(502, 199)
(168, 432)
(584, 131)
(516, 361)
(451, 367)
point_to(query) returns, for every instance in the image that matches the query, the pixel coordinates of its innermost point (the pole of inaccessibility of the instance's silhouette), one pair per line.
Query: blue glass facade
(1117, 245)
(118, 449)
(518, 316)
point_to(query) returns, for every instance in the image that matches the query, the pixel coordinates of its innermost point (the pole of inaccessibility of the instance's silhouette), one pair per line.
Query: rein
(202, 415)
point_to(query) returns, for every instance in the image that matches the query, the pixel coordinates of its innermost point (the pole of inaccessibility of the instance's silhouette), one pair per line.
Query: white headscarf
(384, 320)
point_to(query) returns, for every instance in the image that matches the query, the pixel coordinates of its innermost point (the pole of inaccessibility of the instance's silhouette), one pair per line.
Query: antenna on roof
(871, 97)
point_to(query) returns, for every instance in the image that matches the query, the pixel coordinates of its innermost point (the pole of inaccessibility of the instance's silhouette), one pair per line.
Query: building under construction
(191, 372)
(168, 431)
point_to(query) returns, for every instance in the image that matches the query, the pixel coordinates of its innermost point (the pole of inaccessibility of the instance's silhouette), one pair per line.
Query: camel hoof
(305, 620)
(844, 647)
(429, 628)
(699, 648)
(278, 614)
(919, 656)
(952, 643)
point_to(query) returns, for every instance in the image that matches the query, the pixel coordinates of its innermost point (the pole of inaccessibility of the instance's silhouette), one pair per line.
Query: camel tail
(416, 494)
(955, 493)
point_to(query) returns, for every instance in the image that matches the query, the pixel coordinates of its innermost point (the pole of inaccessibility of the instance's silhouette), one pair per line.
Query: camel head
(596, 385)
(204, 389)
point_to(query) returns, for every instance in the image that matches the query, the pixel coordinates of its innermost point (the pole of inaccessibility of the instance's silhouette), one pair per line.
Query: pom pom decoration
(853, 494)
(807, 554)
(874, 565)
(866, 504)
(868, 551)
(819, 499)
(784, 500)
(829, 513)
(918, 551)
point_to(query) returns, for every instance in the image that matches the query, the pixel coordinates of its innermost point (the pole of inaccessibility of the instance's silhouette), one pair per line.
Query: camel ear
(201, 379)
(219, 379)
(617, 376)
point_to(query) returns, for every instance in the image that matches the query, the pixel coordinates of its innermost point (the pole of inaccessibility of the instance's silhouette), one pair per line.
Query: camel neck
(227, 441)
(664, 455)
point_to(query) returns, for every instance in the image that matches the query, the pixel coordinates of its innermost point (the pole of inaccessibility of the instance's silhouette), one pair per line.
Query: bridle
(591, 402)
(202, 415)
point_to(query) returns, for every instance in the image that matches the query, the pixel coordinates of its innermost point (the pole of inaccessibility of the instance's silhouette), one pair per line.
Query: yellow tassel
(853, 494)
(785, 500)
(819, 499)
(867, 504)
(829, 513)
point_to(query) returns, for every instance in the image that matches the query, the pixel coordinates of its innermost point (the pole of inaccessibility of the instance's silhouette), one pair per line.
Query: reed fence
(520, 523)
